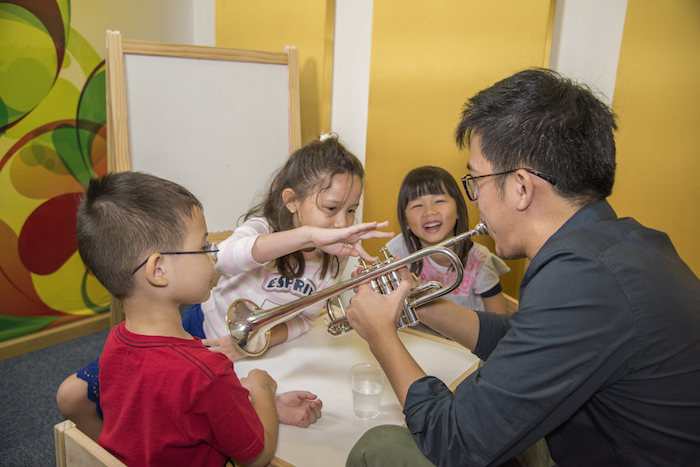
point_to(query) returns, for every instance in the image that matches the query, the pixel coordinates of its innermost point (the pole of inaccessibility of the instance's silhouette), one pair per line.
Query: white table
(320, 363)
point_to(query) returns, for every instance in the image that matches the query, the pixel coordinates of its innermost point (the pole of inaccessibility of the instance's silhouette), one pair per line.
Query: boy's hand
(336, 241)
(225, 346)
(299, 408)
(259, 380)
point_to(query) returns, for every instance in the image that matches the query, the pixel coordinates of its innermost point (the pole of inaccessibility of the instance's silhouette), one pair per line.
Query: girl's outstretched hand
(298, 408)
(346, 241)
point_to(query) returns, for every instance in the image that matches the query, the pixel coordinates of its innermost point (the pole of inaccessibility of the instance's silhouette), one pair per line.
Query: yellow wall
(426, 61)
(271, 25)
(657, 99)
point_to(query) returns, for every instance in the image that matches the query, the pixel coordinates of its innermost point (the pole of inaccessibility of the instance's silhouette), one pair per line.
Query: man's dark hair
(540, 120)
(124, 218)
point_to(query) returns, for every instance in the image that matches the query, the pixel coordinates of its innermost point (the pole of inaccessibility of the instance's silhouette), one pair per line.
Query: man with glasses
(603, 356)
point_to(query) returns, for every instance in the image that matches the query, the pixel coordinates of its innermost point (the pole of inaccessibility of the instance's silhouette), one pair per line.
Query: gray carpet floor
(28, 411)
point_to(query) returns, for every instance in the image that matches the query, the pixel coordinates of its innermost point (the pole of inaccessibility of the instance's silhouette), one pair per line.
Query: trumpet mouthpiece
(481, 229)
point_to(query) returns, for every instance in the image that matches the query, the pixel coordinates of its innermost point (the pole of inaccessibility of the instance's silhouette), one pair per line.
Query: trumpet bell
(241, 320)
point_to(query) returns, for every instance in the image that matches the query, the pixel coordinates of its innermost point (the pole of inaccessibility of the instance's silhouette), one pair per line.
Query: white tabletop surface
(320, 363)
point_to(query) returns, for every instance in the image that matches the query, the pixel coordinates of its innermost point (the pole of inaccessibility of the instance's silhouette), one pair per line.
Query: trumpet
(249, 326)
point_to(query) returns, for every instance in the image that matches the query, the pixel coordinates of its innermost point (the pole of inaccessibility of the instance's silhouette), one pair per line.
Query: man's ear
(526, 189)
(155, 270)
(289, 198)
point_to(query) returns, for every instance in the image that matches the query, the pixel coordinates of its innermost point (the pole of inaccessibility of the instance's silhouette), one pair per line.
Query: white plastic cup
(367, 384)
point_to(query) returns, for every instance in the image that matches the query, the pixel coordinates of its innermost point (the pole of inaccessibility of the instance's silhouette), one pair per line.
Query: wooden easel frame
(118, 155)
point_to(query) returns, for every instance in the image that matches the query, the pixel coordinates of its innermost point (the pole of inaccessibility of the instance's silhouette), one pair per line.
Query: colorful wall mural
(52, 141)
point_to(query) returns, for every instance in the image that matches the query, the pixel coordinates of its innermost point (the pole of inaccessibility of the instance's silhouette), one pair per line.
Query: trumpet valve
(408, 316)
(395, 278)
(385, 252)
(363, 264)
(385, 284)
(374, 283)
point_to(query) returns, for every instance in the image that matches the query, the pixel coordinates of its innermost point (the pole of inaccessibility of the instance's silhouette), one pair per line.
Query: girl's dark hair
(429, 180)
(308, 170)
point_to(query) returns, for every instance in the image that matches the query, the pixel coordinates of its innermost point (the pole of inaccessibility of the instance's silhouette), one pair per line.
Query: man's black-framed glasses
(473, 190)
(210, 248)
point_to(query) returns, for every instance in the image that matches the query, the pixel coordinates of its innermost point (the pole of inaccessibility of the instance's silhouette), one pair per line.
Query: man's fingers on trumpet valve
(403, 272)
(407, 275)
(370, 312)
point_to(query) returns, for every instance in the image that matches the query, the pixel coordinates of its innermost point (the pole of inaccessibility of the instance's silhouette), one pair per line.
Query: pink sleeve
(236, 252)
(301, 323)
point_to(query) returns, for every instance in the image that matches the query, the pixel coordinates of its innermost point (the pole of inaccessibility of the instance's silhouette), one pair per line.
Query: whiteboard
(218, 130)
(218, 126)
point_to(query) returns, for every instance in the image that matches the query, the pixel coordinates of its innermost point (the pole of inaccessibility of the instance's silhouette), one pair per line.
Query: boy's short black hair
(125, 217)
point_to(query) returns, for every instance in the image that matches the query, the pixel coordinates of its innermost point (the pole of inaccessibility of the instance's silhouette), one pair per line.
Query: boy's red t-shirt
(170, 401)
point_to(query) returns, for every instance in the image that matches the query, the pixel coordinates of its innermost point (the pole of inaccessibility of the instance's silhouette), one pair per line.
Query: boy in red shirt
(167, 399)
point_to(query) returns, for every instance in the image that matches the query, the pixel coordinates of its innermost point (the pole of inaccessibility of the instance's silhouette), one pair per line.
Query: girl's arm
(459, 324)
(495, 304)
(333, 241)
(488, 280)
(278, 334)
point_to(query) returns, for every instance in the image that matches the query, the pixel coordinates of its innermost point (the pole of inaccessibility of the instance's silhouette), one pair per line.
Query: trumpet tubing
(249, 326)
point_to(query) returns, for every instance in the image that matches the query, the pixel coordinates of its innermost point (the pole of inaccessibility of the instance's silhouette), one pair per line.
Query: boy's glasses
(211, 249)
(473, 190)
